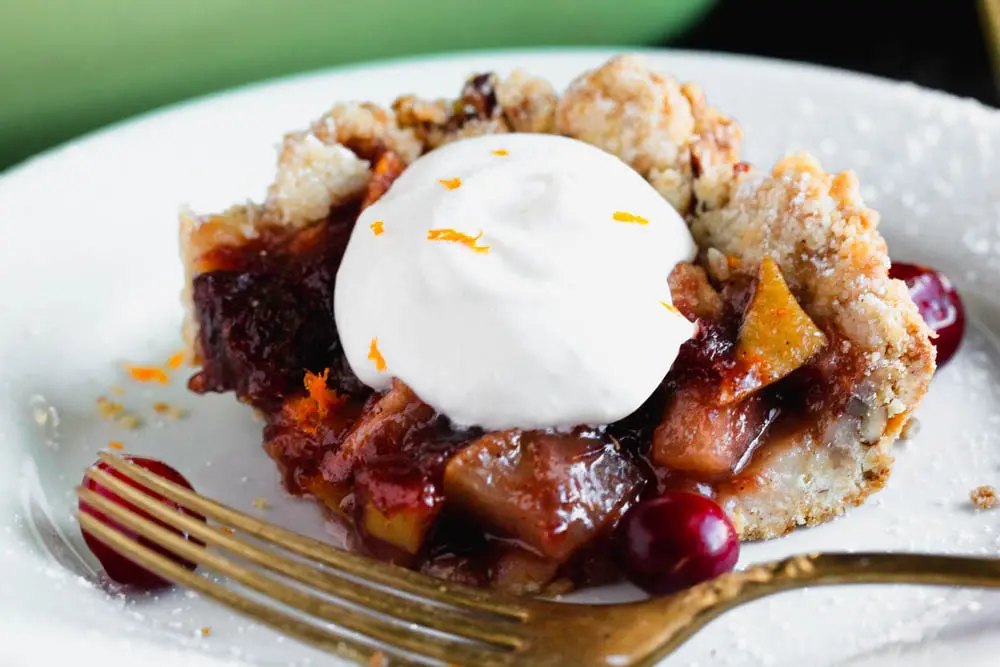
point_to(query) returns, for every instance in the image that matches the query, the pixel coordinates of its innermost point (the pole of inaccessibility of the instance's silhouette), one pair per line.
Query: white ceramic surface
(89, 279)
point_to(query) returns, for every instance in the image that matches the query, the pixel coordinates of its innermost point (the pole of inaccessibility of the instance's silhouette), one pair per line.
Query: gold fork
(375, 613)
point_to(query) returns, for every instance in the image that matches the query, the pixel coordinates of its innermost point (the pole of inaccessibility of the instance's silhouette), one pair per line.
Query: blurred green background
(68, 66)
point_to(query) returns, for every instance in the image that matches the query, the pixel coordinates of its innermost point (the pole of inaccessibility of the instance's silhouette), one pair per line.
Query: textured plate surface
(89, 280)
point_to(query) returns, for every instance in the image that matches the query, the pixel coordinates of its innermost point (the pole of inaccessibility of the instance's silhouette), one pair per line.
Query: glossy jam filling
(520, 511)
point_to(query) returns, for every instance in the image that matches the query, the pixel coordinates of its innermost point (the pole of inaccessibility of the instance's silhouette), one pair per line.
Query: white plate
(89, 279)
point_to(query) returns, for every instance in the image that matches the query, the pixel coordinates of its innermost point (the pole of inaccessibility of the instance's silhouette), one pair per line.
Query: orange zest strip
(376, 356)
(377, 227)
(500, 152)
(622, 216)
(451, 183)
(326, 399)
(458, 237)
(671, 307)
(114, 444)
(148, 374)
(176, 360)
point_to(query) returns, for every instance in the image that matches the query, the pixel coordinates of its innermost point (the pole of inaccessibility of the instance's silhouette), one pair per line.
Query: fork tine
(390, 576)
(400, 636)
(274, 618)
(487, 629)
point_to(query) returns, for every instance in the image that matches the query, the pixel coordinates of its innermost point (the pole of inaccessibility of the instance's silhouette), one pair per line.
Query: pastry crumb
(129, 421)
(114, 411)
(168, 410)
(114, 444)
(261, 503)
(109, 409)
(984, 497)
(206, 631)
(227, 530)
(910, 429)
(378, 659)
(118, 391)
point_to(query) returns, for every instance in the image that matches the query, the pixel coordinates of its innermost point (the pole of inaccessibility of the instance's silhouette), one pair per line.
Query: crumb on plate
(114, 444)
(206, 631)
(109, 409)
(168, 410)
(261, 503)
(984, 497)
(129, 421)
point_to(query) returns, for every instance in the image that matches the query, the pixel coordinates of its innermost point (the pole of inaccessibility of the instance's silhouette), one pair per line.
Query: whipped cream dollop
(516, 280)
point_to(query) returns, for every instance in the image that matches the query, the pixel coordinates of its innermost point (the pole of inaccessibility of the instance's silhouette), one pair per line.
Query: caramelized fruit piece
(554, 492)
(383, 428)
(675, 541)
(118, 567)
(777, 336)
(938, 303)
(397, 504)
(702, 435)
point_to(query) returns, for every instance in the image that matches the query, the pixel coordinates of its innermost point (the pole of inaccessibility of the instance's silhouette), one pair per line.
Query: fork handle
(890, 568)
(680, 616)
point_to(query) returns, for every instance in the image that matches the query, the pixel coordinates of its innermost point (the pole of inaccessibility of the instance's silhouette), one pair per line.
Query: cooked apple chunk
(397, 504)
(703, 436)
(553, 491)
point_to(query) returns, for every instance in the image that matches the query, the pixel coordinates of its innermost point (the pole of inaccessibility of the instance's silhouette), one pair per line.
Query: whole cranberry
(118, 567)
(938, 303)
(675, 541)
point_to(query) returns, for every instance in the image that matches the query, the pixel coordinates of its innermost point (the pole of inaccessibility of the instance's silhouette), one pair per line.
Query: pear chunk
(777, 336)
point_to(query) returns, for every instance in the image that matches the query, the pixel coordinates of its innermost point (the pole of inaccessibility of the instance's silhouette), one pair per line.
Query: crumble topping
(312, 178)
(528, 102)
(663, 129)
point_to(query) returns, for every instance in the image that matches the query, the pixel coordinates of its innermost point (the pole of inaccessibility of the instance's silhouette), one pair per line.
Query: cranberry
(118, 567)
(939, 305)
(675, 541)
